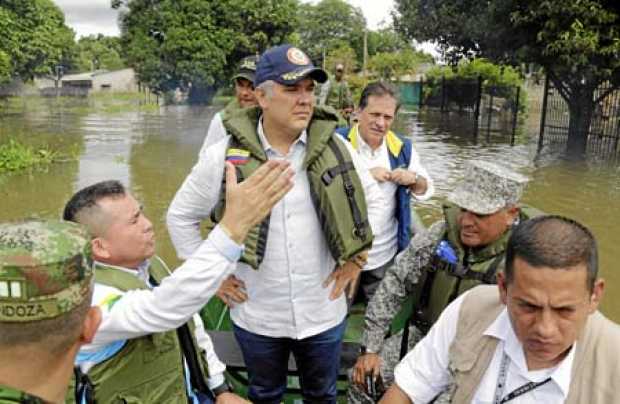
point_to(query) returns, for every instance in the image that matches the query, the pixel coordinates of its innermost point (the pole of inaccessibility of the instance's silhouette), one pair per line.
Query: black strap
(84, 389)
(361, 226)
(404, 342)
(196, 376)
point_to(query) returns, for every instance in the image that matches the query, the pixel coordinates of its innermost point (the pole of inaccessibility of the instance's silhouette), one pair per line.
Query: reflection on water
(153, 152)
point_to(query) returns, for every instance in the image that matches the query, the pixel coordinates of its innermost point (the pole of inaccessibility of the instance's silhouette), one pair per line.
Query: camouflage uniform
(488, 189)
(338, 95)
(45, 271)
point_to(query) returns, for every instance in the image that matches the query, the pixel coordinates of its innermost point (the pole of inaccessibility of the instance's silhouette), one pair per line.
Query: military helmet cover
(487, 188)
(46, 269)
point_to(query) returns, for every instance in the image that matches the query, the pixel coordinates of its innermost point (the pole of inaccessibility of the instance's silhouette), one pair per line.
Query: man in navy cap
(298, 262)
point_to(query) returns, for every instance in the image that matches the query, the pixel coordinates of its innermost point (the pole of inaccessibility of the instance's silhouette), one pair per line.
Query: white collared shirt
(285, 295)
(385, 244)
(423, 373)
(215, 133)
(135, 313)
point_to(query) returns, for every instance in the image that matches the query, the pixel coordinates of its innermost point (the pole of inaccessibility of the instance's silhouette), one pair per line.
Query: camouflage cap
(487, 188)
(46, 269)
(247, 68)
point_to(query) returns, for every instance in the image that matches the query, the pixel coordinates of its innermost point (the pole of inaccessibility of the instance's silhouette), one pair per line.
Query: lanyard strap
(519, 391)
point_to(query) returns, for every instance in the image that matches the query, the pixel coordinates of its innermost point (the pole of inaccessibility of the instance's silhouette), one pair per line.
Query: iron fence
(492, 108)
(603, 135)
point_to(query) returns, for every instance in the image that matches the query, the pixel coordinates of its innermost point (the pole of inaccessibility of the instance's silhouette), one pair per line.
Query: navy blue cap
(286, 65)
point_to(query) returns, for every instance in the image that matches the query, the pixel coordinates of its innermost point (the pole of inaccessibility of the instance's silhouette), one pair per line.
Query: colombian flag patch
(237, 156)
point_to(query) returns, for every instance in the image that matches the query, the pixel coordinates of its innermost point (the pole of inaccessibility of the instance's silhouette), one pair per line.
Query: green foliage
(328, 25)
(385, 40)
(15, 156)
(194, 43)
(34, 37)
(343, 54)
(505, 79)
(357, 83)
(96, 52)
(5, 67)
(392, 65)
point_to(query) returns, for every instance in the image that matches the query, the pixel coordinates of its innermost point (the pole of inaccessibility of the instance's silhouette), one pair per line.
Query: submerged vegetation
(16, 156)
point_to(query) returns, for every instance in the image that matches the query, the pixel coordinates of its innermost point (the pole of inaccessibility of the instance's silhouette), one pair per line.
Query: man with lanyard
(46, 275)
(536, 337)
(244, 98)
(396, 166)
(151, 346)
(460, 251)
(316, 236)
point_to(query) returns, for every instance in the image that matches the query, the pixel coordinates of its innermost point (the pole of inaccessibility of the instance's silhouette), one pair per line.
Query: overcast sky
(96, 16)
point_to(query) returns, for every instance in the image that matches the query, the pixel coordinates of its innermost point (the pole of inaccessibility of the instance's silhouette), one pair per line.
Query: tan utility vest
(438, 286)
(148, 369)
(335, 187)
(596, 365)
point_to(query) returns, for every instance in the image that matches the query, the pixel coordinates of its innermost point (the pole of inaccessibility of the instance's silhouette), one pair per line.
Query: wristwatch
(222, 388)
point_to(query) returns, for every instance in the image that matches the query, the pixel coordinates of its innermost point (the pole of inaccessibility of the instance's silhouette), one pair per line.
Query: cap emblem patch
(298, 57)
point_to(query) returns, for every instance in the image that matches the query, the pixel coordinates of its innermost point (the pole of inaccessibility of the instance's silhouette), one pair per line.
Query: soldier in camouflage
(462, 250)
(46, 277)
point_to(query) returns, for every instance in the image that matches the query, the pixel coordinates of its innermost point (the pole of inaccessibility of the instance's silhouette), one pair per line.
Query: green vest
(230, 108)
(148, 369)
(335, 187)
(439, 285)
(9, 395)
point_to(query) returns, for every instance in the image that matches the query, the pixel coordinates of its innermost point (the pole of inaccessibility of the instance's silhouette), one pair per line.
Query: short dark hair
(555, 242)
(89, 196)
(379, 89)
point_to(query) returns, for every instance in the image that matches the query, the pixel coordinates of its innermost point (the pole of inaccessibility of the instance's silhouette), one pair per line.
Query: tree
(386, 40)
(328, 25)
(578, 43)
(392, 65)
(99, 52)
(194, 44)
(34, 38)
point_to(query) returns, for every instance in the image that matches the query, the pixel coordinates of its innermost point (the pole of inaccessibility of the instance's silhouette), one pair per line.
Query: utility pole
(364, 65)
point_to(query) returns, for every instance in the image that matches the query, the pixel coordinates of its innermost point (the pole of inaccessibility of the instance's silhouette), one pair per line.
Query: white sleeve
(195, 199)
(423, 373)
(215, 133)
(375, 201)
(415, 164)
(216, 367)
(171, 304)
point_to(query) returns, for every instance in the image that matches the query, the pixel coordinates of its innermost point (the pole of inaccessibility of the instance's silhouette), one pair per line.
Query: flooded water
(151, 151)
